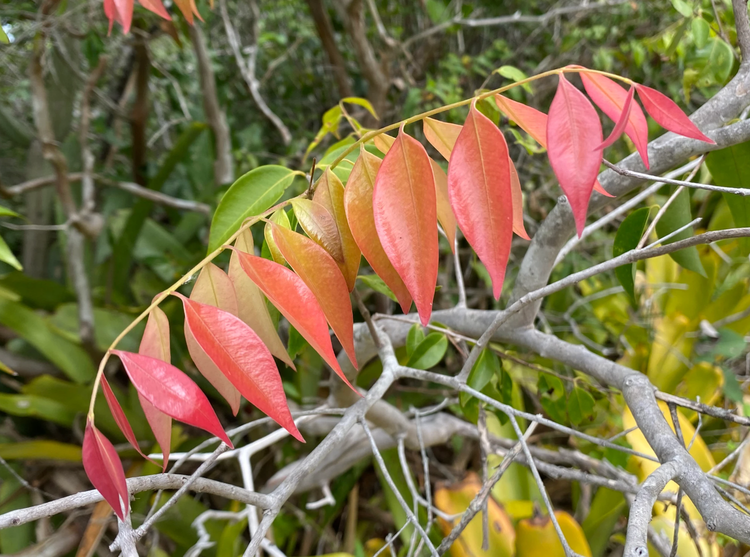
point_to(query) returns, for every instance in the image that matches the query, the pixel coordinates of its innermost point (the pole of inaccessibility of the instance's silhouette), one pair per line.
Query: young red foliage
(188, 9)
(321, 274)
(517, 195)
(405, 207)
(330, 194)
(171, 392)
(445, 215)
(155, 343)
(120, 418)
(122, 11)
(611, 97)
(241, 356)
(319, 224)
(215, 288)
(358, 205)
(622, 123)
(668, 115)
(441, 135)
(574, 138)
(104, 469)
(479, 185)
(530, 120)
(294, 299)
(251, 304)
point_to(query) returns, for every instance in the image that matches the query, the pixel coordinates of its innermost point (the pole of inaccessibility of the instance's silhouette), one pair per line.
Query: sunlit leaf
(441, 135)
(6, 256)
(429, 352)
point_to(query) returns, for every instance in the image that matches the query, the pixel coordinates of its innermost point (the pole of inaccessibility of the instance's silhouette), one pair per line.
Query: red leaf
(318, 223)
(574, 134)
(622, 122)
(441, 135)
(330, 194)
(236, 350)
(155, 343)
(251, 303)
(358, 205)
(171, 392)
(517, 196)
(668, 115)
(120, 418)
(215, 288)
(157, 7)
(445, 215)
(104, 469)
(110, 12)
(405, 208)
(612, 98)
(528, 119)
(479, 184)
(598, 188)
(295, 301)
(321, 274)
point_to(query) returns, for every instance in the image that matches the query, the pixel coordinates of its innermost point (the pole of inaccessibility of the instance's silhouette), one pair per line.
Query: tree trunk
(325, 32)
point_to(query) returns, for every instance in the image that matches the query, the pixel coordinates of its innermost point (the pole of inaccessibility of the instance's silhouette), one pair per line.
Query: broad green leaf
(363, 103)
(552, 396)
(628, 234)
(730, 167)
(69, 357)
(5, 212)
(701, 31)
(250, 195)
(429, 352)
(606, 509)
(683, 7)
(732, 389)
(377, 284)
(720, 60)
(40, 450)
(36, 407)
(485, 368)
(6, 256)
(414, 338)
(580, 406)
(36, 293)
(677, 215)
(514, 74)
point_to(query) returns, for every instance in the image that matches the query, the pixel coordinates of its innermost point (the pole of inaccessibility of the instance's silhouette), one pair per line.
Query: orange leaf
(213, 287)
(445, 215)
(358, 205)
(279, 217)
(517, 196)
(330, 194)
(405, 208)
(188, 9)
(294, 299)
(155, 343)
(441, 135)
(238, 352)
(104, 469)
(155, 6)
(251, 303)
(528, 119)
(479, 183)
(321, 274)
(574, 133)
(383, 142)
(318, 223)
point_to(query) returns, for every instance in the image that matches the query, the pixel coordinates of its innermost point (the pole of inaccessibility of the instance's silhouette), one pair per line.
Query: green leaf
(730, 167)
(732, 389)
(606, 509)
(69, 357)
(377, 284)
(552, 396)
(5, 212)
(729, 345)
(250, 195)
(36, 407)
(15, 496)
(515, 75)
(676, 216)
(485, 368)
(36, 293)
(684, 8)
(3, 36)
(6, 256)
(363, 103)
(701, 31)
(296, 343)
(429, 352)
(720, 60)
(580, 406)
(628, 235)
(414, 338)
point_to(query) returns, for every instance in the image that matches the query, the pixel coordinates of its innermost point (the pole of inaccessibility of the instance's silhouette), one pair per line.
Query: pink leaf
(125, 13)
(171, 392)
(120, 418)
(294, 299)
(530, 120)
(104, 469)
(668, 115)
(621, 123)
(405, 207)
(611, 98)
(242, 358)
(574, 134)
(479, 185)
